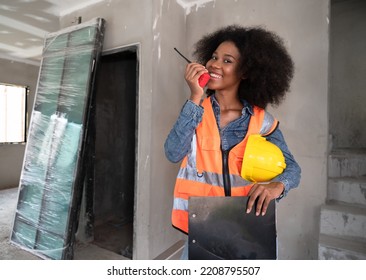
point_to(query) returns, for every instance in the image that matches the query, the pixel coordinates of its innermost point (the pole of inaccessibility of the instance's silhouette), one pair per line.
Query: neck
(228, 100)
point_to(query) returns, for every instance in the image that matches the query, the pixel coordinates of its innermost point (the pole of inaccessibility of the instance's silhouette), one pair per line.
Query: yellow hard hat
(262, 160)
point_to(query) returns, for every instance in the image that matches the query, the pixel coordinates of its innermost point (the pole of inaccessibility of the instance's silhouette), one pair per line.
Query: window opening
(13, 113)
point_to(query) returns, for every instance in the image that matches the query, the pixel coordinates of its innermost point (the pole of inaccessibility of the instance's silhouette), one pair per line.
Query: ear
(244, 76)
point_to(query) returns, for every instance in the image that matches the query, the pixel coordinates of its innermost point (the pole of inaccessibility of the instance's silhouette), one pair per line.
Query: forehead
(228, 48)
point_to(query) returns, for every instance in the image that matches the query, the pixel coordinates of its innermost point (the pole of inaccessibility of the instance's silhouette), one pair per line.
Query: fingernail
(248, 211)
(257, 213)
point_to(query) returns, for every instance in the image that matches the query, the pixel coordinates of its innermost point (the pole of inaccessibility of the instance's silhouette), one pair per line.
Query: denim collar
(247, 107)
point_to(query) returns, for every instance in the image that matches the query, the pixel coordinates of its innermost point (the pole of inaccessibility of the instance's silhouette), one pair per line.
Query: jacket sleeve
(292, 173)
(178, 142)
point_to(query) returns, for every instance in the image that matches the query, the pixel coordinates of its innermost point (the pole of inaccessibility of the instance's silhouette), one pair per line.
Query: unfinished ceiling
(24, 23)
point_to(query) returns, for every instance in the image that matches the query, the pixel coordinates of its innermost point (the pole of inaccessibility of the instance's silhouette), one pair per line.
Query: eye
(227, 61)
(214, 57)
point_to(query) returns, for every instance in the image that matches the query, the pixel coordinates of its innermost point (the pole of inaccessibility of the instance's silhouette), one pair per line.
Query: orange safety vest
(201, 172)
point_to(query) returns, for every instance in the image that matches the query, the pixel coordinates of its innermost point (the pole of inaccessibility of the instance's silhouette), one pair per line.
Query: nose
(213, 64)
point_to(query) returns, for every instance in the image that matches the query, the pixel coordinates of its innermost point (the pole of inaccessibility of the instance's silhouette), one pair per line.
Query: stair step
(348, 190)
(347, 162)
(332, 248)
(343, 220)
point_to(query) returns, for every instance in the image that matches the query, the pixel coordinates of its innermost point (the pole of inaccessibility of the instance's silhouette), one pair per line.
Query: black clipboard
(220, 228)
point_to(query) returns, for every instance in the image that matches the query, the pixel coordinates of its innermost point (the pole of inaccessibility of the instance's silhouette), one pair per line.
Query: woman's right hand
(192, 74)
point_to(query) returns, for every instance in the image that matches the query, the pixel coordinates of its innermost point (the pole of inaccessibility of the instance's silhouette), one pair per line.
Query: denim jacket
(178, 142)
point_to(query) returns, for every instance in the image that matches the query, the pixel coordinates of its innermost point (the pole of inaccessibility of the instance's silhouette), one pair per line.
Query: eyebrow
(226, 54)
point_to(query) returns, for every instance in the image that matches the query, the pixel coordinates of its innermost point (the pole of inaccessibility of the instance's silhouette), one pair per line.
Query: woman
(249, 68)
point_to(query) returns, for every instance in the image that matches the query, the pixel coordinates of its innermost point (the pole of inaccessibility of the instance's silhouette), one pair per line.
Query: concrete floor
(8, 251)
(89, 251)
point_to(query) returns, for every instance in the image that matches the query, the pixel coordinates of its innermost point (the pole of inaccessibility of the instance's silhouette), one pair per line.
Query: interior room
(122, 206)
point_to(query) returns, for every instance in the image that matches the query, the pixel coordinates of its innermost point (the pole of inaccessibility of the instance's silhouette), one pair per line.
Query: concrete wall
(168, 97)
(11, 155)
(347, 97)
(303, 116)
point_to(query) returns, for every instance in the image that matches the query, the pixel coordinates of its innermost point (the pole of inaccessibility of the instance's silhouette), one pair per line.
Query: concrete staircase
(343, 217)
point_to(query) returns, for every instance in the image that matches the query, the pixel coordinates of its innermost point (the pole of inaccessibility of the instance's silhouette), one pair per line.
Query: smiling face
(224, 67)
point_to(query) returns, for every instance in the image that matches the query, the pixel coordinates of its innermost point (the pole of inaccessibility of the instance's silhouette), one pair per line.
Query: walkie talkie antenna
(203, 79)
(182, 55)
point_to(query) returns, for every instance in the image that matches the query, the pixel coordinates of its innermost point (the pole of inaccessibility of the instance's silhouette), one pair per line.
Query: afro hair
(264, 61)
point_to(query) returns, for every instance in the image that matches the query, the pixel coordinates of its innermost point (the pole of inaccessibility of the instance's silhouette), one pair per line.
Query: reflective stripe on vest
(269, 124)
(210, 178)
(201, 172)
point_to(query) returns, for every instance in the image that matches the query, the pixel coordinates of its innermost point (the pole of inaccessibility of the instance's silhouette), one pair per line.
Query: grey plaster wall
(157, 27)
(168, 96)
(347, 97)
(11, 155)
(303, 116)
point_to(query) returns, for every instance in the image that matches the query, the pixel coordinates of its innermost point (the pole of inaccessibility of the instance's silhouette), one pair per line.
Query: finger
(252, 189)
(251, 202)
(197, 72)
(265, 206)
(260, 201)
(200, 72)
(252, 197)
(196, 66)
(189, 71)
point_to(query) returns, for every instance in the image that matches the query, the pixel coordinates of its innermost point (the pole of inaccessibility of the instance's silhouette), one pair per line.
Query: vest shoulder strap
(265, 123)
(261, 122)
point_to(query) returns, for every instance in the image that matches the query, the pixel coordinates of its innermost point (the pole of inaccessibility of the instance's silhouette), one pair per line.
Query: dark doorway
(115, 146)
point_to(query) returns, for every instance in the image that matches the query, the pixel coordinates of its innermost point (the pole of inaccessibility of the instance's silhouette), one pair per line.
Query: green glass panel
(24, 234)
(48, 178)
(55, 43)
(54, 217)
(72, 97)
(50, 84)
(50, 245)
(30, 203)
(83, 36)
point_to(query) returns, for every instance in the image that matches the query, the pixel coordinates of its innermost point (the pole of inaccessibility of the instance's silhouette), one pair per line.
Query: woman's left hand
(263, 193)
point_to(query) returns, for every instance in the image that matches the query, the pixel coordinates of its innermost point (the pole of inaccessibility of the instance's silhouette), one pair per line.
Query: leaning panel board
(51, 178)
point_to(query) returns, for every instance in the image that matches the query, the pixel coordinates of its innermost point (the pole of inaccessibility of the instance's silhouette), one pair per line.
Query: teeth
(215, 76)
